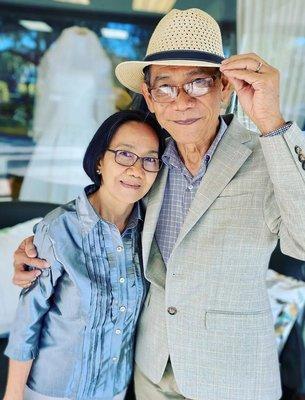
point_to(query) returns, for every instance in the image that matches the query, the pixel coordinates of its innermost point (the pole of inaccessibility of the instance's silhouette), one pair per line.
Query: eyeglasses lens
(127, 159)
(197, 88)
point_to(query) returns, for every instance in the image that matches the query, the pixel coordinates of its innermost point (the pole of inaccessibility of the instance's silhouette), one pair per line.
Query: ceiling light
(111, 33)
(79, 2)
(35, 25)
(156, 6)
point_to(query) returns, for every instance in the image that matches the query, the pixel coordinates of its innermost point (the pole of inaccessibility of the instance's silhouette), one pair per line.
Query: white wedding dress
(74, 96)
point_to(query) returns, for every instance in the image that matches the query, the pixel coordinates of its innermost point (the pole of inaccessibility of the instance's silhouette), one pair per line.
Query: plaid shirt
(180, 191)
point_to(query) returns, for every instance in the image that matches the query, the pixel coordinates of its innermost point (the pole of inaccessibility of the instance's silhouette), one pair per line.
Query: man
(224, 196)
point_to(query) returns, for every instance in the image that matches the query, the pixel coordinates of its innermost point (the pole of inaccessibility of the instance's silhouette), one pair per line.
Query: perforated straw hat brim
(182, 38)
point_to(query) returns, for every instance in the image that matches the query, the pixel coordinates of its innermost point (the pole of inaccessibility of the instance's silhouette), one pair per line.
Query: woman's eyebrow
(130, 146)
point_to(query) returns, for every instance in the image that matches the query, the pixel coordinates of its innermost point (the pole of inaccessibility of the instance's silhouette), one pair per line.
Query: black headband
(194, 55)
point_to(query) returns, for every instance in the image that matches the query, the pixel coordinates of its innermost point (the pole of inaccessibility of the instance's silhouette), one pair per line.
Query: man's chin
(185, 134)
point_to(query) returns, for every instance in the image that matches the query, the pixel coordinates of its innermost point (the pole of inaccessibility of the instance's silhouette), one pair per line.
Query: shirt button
(172, 310)
(122, 308)
(119, 248)
(122, 280)
(114, 359)
(190, 187)
(45, 272)
(118, 331)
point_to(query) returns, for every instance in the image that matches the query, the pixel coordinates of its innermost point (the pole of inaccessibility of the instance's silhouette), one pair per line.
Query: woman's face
(129, 184)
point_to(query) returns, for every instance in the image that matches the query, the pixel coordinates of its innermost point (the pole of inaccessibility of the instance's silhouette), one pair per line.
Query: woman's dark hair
(103, 136)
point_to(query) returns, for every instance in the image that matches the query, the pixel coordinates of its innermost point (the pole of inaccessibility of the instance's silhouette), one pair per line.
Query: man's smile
(188, 121)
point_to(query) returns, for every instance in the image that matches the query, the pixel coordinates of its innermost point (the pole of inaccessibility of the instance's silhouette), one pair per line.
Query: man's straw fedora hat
(185, 38)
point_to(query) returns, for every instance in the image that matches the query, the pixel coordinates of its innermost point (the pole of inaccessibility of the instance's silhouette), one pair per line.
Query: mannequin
(74, 95)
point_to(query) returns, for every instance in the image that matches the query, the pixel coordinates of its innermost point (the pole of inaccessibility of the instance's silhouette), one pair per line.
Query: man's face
(187, 119)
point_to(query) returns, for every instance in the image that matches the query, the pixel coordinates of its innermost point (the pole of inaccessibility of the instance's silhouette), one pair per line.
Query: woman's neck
(110, 209)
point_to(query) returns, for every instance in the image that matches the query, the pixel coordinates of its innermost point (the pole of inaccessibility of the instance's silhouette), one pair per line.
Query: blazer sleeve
(284, 206)
(34, 302)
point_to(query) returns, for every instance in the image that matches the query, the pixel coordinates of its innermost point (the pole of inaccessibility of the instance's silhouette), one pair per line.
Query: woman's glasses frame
(132, 158)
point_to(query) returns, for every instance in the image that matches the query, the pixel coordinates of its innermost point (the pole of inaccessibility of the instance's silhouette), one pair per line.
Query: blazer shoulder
(241, 133)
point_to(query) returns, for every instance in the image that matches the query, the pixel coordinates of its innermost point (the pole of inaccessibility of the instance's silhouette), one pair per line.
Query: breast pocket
(232, 202)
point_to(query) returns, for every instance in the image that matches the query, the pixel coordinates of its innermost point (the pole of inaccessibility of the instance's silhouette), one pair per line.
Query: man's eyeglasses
(196, 88)
(128, 159)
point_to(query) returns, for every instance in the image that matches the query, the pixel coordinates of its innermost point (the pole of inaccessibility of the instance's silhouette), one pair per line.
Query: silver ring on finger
(259, 66)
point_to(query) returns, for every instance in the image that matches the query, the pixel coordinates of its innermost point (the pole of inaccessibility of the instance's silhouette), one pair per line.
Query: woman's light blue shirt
(78, 321)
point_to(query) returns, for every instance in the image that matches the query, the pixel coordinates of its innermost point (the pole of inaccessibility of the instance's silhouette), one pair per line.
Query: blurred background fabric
(275, 29)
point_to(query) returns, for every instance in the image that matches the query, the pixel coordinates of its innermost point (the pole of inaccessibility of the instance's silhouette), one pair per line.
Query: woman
(74, 330)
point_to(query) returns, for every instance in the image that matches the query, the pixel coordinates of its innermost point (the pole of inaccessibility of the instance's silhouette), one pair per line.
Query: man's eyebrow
(195, 71)
(199, 70)
(159, 78)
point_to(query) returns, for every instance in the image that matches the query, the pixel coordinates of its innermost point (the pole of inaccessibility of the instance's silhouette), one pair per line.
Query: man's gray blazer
(221, 339)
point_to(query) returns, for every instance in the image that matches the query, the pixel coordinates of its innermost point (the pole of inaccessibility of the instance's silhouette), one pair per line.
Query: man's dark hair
(103, 136)
(147, 75)
(138, 101)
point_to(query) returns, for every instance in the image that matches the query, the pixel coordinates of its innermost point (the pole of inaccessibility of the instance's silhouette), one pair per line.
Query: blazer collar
(228, 158)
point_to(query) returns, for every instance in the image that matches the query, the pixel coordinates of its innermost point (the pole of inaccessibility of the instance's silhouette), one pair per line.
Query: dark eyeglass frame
(136, 159)
(178, 88)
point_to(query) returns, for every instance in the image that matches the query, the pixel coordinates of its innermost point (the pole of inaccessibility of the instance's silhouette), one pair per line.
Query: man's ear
(226, 90)
(147, 97)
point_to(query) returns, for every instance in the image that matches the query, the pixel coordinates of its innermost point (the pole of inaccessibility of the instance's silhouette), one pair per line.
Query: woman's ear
(98, 168)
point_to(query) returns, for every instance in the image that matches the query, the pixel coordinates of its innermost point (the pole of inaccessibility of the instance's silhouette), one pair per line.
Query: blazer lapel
(229, 156)
(154, 203)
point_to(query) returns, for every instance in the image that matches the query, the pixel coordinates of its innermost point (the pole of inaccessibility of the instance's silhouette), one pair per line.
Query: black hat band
(192, 55)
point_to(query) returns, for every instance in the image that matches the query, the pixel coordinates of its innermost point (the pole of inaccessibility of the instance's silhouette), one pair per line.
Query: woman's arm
(17, 377)
(34, 303)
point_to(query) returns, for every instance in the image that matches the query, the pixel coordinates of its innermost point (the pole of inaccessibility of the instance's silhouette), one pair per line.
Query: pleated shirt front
(78, 321)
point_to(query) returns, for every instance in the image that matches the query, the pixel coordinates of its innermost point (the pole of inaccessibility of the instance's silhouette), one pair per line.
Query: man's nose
(183, 101)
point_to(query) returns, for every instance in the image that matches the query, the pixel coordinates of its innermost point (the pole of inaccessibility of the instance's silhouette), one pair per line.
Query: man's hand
(24, 256)
(257, 87)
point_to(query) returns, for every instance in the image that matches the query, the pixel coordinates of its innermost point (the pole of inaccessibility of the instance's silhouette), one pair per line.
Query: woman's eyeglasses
(196, 88)
(128, 159)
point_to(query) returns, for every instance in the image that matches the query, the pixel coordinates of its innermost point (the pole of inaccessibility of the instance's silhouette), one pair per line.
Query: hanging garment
(74, 96)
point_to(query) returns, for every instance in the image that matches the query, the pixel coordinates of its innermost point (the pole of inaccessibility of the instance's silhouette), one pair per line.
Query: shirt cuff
(279, 131)
(21, 353)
